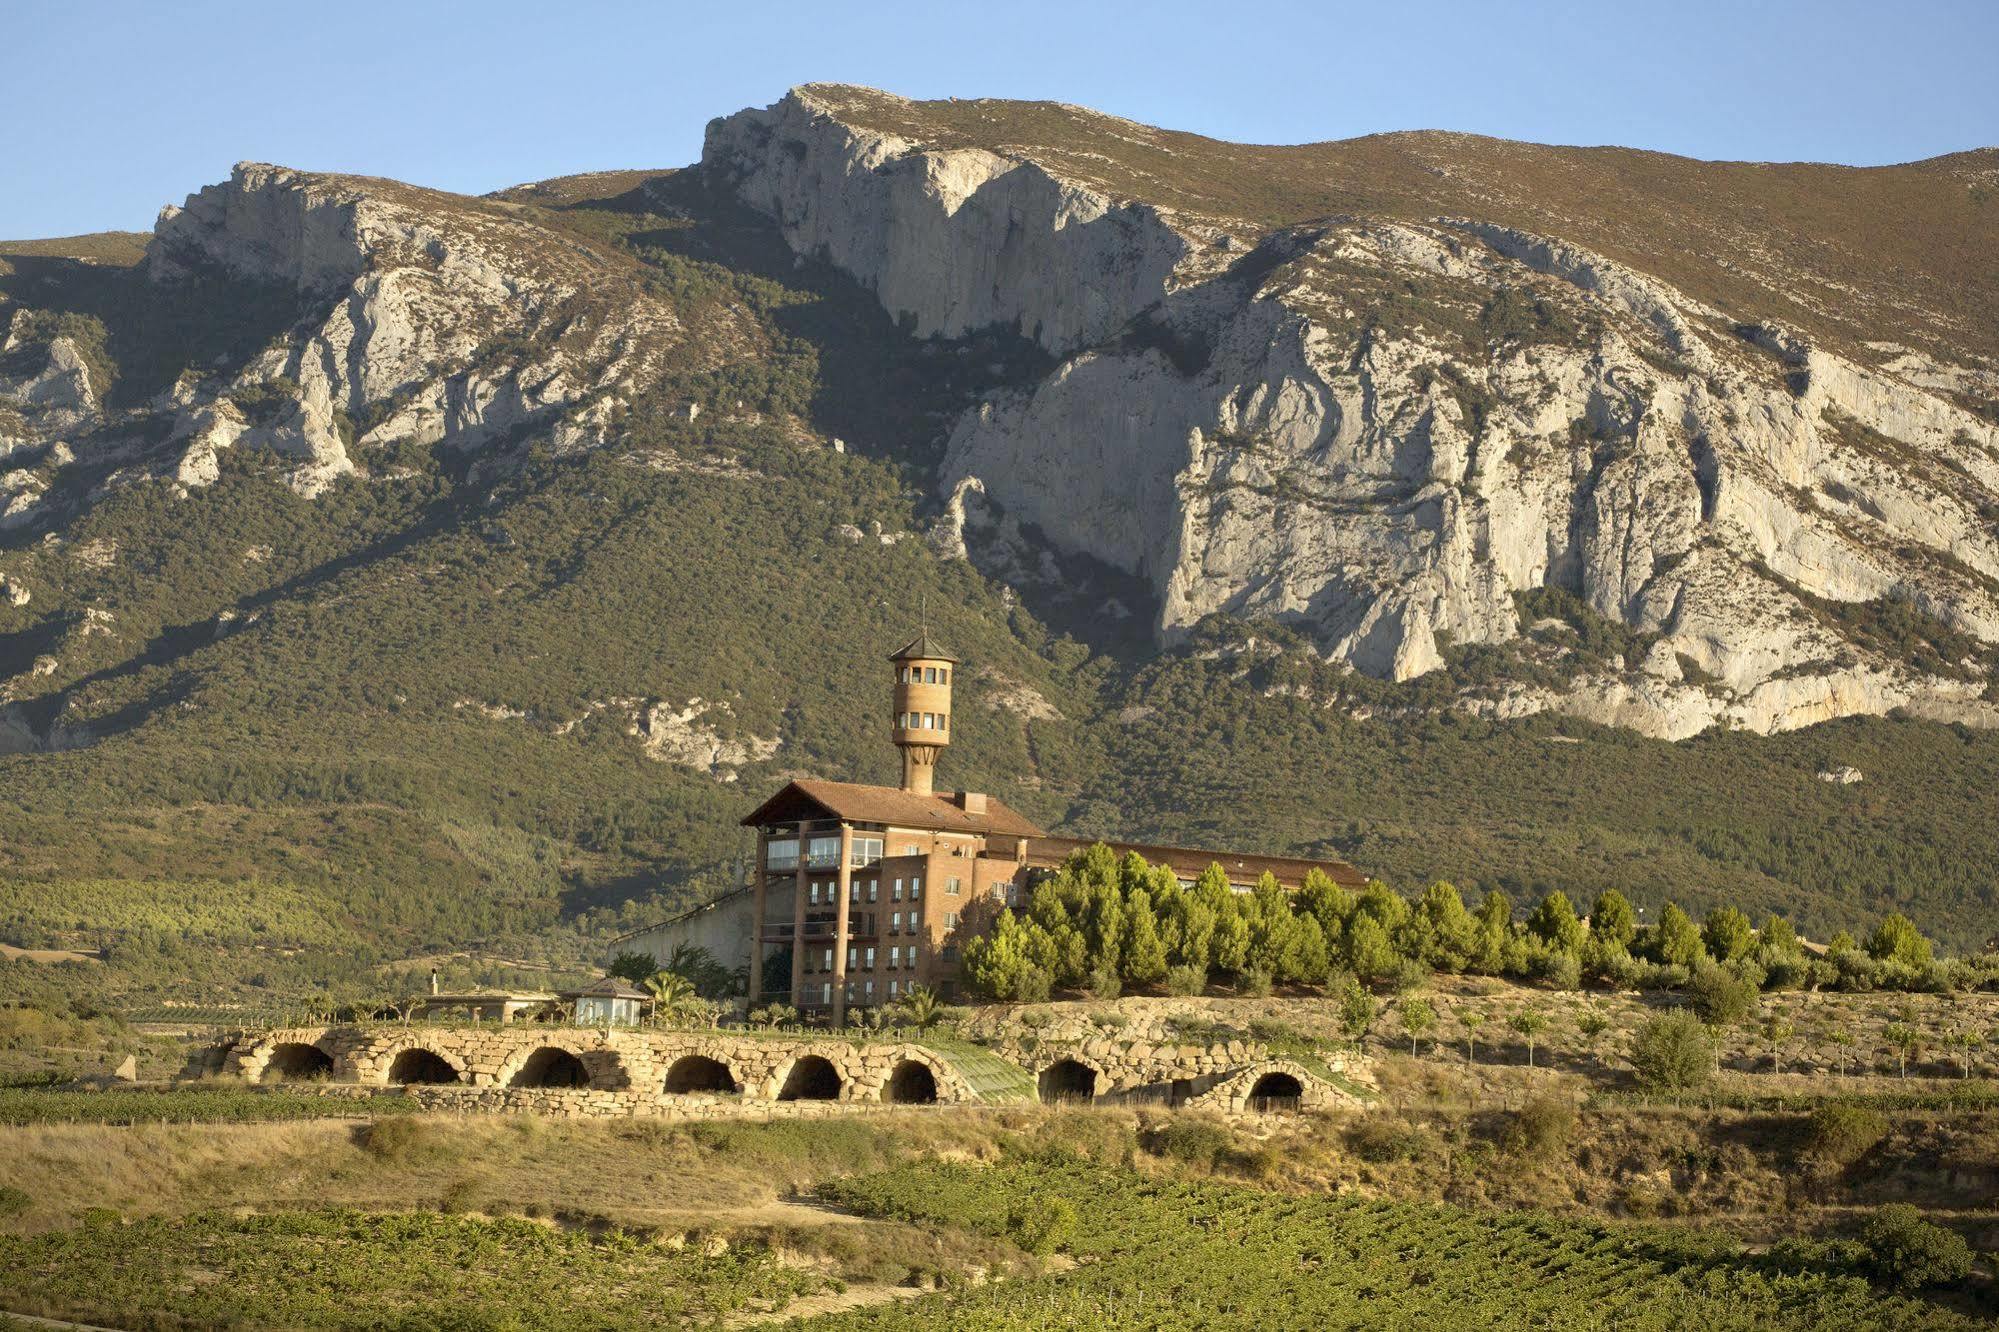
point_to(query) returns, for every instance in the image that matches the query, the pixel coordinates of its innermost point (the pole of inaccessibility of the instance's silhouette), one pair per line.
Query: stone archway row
(670, 1065)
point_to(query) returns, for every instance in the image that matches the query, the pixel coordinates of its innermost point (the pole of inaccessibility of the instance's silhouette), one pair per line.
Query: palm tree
(921, 1008)
(671, 994)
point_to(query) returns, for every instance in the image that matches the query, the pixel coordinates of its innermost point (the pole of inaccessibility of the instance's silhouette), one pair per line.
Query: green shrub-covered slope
(394, 724)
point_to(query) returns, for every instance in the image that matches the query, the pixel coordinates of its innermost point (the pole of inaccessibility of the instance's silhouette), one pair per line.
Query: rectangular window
(868, 990)
(866, 851)
(895, 923)
(826, 992)
(893, 986)
(911, 849)
(916, 886)
(854, 890)
(827, 965)
(781, 853)
(870, 963)
(853, 957)
(895, 893)
(895, 957)
(912, 957)
(951, 886)
(812, 893)
(873, 884)
(823, 852)
(950, 920)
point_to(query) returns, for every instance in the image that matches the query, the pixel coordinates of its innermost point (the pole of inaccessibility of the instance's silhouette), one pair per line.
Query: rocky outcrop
(1293, 435)
(954, 240)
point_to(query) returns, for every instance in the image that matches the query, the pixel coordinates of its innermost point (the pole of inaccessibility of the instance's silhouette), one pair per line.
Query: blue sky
(116, 108)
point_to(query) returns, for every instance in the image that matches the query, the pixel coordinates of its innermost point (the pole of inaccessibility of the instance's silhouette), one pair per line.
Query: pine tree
(1142, 957)
(1612, 920)
(1676, 941)
(1554, 923)
(1727, 934)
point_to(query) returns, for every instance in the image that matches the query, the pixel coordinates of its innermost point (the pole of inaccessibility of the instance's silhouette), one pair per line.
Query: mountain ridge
(463, 594)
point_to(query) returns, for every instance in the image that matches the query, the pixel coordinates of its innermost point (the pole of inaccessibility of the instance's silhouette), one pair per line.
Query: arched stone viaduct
(586, 1071)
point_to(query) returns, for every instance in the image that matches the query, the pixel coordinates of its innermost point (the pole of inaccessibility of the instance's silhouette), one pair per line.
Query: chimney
(972, 802)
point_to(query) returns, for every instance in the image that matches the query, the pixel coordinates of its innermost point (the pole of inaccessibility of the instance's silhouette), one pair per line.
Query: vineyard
(338, 1269)
(1173, 1255)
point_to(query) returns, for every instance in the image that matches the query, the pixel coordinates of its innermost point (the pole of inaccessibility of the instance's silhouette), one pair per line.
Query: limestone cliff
(1386, 428)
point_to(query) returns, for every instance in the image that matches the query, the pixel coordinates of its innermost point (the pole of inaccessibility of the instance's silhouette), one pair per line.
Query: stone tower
(922, 709)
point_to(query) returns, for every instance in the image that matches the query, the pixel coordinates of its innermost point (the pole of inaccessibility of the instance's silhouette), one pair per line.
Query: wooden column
(758, 887)
(841, 891)
(798, 920)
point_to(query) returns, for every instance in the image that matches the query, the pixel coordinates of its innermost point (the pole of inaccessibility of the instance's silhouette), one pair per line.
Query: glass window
(826, 992)
(870, 963)
(866, 851)
(951, 886)
(911, 849)
(943, 721)
(868, 989)
(895, 923)
(781, 853)
(812, 894)
(873, 884)
(950, 920)
(827, 965)
(824, 852)
(853, 890)
(944, 675)
(853, 957)
(894, 957)
(895, 893)
(916, 886)
(912, 957)
(892, 987)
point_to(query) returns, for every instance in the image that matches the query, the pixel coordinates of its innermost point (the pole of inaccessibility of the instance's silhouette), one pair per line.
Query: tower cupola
(922, 709)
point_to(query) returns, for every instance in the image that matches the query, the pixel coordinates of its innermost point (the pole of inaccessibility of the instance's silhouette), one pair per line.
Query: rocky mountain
(1379, 390)
(393, 569)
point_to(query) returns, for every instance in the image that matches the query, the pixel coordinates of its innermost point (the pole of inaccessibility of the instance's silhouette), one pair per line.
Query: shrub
(1383, 1138)
(1542, 1127)
(1840, 1134)
(1104, 983)
(1187, 1138)
(1906, 1251)
(396, 1139)
(1041, 1225)
(1186, 979)
(1723, 996)
(1673, 1052)
(1254, 982)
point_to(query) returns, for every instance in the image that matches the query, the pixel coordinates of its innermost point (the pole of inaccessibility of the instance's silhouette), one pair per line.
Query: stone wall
(573, 1071)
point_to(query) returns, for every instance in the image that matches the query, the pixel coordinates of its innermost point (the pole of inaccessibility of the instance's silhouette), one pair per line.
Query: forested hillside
(500, 698)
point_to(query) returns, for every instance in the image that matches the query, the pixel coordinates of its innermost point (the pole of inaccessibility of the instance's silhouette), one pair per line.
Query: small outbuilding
(609, 1002)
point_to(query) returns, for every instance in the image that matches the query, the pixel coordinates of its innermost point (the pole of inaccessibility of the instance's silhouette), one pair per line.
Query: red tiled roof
(888, 805)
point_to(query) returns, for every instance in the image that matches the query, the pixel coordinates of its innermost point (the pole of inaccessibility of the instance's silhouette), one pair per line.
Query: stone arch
(550, 1066)
(810, 1078)
(701, 1073)
(1068, 1081)
(296, 1061)
(418, 1066)
(1276, 1090)
(911, 1082)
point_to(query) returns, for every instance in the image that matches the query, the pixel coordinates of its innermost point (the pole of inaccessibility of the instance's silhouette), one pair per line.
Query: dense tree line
(1103, 923)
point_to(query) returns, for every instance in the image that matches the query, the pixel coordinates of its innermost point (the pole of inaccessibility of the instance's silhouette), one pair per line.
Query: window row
(937, 675)
(819, 892)
(861, 957)
(923, 721)
(822, 852)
